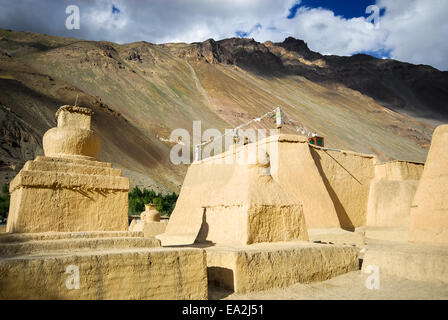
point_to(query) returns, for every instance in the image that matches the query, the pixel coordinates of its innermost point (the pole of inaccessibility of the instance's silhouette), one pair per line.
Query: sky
(413, 31)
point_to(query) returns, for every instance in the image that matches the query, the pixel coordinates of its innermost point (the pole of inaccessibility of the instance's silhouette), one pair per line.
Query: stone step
(75, 245)
(21, 237)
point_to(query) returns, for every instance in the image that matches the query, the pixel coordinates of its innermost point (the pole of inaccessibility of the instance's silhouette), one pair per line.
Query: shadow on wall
(203, 231)
(343, 217)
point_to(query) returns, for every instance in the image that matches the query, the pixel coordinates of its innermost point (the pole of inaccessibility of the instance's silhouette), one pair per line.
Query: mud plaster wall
(429, 211)
(296, 171)
(391, 193)
(58, 194)
(234, 202)
(48, 209)
(156, 273)
(333, 188)
(347, 177)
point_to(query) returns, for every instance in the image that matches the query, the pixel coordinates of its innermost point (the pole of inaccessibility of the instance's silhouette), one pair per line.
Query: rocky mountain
(140, 92)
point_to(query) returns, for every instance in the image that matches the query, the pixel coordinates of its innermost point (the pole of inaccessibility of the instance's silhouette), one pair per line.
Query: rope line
(299, 126)
(234, 131)
(281, 118)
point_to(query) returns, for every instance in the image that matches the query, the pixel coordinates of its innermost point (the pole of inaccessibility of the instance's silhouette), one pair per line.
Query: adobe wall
(391, 193)
(336, 189)
(347, 176)
(200, 182)
(429, 210)
(225, 199)
(413, 261)
(295, 170)
(264, 266)
(149, 229)
(131, 273)
(57, 194)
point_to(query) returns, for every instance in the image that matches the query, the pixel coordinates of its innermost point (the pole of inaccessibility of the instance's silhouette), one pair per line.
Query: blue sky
(115, 10)
(348, 8)
(408, 30)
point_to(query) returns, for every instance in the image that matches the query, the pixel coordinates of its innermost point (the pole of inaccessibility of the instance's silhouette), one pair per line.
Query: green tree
(4, 201)
(138, 198)
(159, 204)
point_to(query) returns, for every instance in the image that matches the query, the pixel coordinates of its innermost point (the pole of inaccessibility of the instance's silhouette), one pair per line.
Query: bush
(4, 202)
(138, 198)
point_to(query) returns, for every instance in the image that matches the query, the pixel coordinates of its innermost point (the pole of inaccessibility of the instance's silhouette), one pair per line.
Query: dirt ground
(348, 286)
(2, 228)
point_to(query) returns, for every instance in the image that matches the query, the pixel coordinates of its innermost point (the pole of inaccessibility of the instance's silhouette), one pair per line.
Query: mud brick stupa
(68, 232)
(149, 223)
(69, 189)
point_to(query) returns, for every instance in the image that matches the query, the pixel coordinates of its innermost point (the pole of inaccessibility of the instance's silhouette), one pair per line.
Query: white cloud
(412, 30)
(329, 34)
(162, 21)
(417, 31)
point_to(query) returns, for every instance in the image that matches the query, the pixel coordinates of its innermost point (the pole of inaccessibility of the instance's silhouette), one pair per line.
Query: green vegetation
(4, 202)
(138, 198)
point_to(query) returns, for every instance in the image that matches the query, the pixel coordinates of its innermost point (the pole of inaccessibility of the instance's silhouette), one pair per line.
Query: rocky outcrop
(250, 54)
(300, 47)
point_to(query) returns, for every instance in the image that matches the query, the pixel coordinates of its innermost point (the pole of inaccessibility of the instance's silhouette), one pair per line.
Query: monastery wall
(225, 199)
(347, 177)
(429, 210)
(391, 193)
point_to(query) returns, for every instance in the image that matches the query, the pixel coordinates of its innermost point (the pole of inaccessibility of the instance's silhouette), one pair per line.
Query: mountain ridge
(361, 103)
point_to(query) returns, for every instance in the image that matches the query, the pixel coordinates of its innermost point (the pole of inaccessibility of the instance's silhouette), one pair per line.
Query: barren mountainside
(140, 92)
